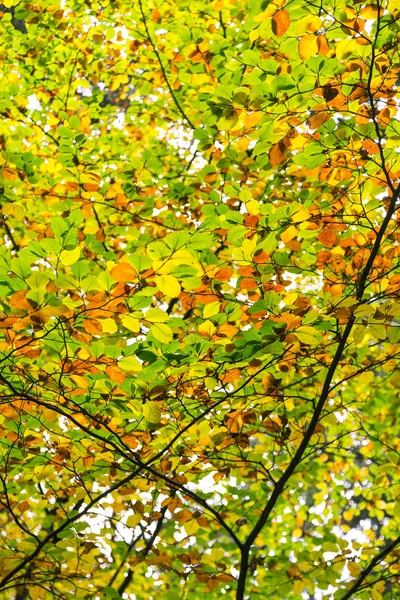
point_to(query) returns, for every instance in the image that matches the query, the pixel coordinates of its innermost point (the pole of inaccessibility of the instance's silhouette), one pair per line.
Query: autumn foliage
(200, 299)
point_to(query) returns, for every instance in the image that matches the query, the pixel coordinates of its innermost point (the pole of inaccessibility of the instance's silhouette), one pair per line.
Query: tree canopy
(200, 299)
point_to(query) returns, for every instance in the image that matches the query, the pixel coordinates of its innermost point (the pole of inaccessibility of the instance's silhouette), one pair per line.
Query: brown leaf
(277, 153)
(329, 92)
(183, 516)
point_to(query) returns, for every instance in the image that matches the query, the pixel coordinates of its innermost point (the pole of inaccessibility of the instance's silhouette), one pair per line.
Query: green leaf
(152, 412)
(308, 335)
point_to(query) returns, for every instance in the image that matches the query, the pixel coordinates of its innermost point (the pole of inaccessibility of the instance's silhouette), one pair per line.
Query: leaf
(345, 48)
(280, 22)
(183, 516)
(211, 309)
(131, 323)
(156, 315)
(130, 363)
(110, 594)
(308, 335)
(168, 285)
(207, 328)
(223, 274)
(328, 238)
(308, 46)
(250, 57)
(123, 272)
(69, 257)
(277, 153)
(152, 412)
(162, 332)
(289, 234)
(394, 334)
(115, 374)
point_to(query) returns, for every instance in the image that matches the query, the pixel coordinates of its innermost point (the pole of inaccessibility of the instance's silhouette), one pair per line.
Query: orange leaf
(318, 119)
(328, 238)
(323, 46)
(280, 22)
(223, 274)
(277, 153)
(123, 272)
(227, 330)
(248, 283)
(115, 374)
(247, 271)
(308, 46)
(231, 376)
(251, 119)
(9, 174)
(93, 327)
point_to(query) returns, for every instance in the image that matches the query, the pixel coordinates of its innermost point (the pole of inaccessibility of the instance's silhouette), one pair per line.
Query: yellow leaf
(253, 207)
(301, 215)
(298, 532)
(208, 328)
(211, 309)
(109, 326)
(354, 568)
(130, 363)
(345, 48)
(298, 586)
(168, 285)
(308, 23)
(152, 412)
(69, 257)
(162, 332)
(131, 323)
(156, 315)
(308, 46)
(191, 527)
(133, 520)
(80, 381)
(308, 335)
(36, 593)
(289, 234)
